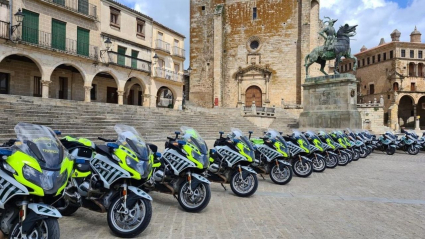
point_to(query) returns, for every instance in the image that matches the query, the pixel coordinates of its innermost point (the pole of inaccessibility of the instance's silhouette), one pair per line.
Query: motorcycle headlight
(8, 167)
(49, 181)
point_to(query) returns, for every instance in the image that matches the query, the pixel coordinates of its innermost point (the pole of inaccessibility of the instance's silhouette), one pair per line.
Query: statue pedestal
(330, 102)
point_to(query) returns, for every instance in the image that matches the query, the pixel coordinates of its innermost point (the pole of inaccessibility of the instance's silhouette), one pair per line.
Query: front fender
(134, 195)
(44, 209)
(333, 153)
(198, 179)
(248, 169)
(305, 159)
(139, 192)
(283, 162)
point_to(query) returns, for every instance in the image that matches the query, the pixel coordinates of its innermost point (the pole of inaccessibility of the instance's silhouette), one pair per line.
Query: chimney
(395, 36)
(415, 36)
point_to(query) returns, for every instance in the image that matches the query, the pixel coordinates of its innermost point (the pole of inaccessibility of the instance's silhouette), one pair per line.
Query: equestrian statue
(336, 46)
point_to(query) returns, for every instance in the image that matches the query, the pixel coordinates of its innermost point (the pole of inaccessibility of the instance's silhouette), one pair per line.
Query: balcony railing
(162, 45)
(58, 43)
(178, 52)
(4, 29)
(128, 61)
(78, 6)
(167, 74)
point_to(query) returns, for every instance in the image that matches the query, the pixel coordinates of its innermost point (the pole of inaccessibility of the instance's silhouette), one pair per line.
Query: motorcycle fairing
(108, 171)
(268, 152)
(9, 187)
(231, 157)
(177, 162)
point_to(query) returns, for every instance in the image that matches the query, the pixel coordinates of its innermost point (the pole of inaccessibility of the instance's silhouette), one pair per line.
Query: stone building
(88, 50)
(394, 71)
(244, 51)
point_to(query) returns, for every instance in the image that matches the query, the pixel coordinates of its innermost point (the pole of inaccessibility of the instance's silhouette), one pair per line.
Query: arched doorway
(406, 112)
(412, 69)
(67, 83)
(165, 98)
(395, 86)
(420, 109)
(104, 88)
(253, 93)
(134, 92)
(20, 75)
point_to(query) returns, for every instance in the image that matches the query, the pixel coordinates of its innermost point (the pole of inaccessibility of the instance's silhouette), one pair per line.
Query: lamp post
(19, 17)
(108, 44)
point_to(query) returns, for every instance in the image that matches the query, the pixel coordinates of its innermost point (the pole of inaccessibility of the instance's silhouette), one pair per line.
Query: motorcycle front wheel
(363, 152)
(302, 169)
(412, 150)
(194, 200)
(44, 229)
(390, 150)
(344, 159)
(279, 176)
(319, 164)
(243, 187)
(356, 155)
(129, 222)
(332, 161)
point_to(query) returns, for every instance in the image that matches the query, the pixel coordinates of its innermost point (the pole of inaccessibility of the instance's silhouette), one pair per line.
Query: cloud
(376, 19)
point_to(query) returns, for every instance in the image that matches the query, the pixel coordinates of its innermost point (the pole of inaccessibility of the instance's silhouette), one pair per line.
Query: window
(371, 89)
(254, 45)
(413, 86)
(363, 62)
(176, 68)
(4, 83)
(412, 54)
(58, 34)
(395, 86)
(379, 57)
(93, 92)
(420, 56)
(389, 96)
(134, 56)
(373, 59)
(350, 67)
(37, 86)
(30, 27)
(83, 41)
(203, 8)
(140, 28)
(254, 13)
(391, 54)
(368, 60)
(385, 56)
(121, 55)
(60, 2)
(403, 53)
(114, 17)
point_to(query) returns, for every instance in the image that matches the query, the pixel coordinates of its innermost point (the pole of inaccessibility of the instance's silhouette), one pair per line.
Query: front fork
(23, 214)
(124, 194)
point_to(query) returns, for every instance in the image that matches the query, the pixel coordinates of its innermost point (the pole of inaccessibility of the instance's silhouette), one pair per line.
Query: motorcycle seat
(103, 150)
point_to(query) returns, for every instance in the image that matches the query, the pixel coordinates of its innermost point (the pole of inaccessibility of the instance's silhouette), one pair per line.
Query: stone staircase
(91, 120)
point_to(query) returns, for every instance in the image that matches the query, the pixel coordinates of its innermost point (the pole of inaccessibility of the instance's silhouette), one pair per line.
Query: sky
(376, 18)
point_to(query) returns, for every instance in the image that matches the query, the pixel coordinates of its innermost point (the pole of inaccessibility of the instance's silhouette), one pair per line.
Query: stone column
(267, 88)
(218, 57)
(87, 93)
(416, 117)
(45, 88)
(120, 97)
(416, 70)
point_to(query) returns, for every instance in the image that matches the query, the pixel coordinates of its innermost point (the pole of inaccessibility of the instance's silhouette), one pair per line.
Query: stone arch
(253, 93)
(131, 97)
(107, 87)
(420, 110)
(164, 99)
(406, 108)
(110, 72)
(34, 59)
(80, 69)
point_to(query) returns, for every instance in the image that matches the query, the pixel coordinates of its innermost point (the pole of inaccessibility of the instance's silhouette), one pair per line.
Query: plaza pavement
(377, 197)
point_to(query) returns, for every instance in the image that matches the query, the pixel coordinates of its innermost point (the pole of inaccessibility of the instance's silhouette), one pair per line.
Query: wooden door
(111, 95)
(4, 83)
(140, 98)
(63, 88)
(253, 93)
(130, 99)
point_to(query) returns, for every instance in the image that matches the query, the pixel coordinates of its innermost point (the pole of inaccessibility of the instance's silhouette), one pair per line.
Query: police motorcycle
(421, 141)
(323, 153)
(299, 149)
(409, 143)
(178, 171)
(367, 139)
(346, 153)
(105, 177)
(339, 154)
(231, 163)
(357, 143)
(371, 140)
(350, 146)
(387, 143)
(271, 155)
(34, 171)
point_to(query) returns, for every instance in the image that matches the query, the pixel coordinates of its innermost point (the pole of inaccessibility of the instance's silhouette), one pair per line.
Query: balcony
(4, 30)
(162, 45)
(59, 43)
(167, 74)
(129, 62)
(178, 52)
(77, 6)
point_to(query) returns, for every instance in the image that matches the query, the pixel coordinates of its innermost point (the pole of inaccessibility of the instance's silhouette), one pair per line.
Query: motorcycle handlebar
(106, 140)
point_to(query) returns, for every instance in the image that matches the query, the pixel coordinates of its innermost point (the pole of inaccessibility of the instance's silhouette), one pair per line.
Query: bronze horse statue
(340, 49)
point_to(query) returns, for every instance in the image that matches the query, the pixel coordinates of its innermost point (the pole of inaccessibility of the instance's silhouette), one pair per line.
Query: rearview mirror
(57, 132)
(5, 152)
(181, 142)
(158, 154)
(112, 145)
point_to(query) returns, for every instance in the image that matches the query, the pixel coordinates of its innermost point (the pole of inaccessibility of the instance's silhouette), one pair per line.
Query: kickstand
(262, 176)
(225, 189)
(175, 197)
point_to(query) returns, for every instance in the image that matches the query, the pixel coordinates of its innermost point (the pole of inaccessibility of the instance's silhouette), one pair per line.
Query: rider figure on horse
(329, 33)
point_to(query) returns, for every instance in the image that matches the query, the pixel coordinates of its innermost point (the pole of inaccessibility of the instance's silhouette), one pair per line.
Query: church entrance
(253, 93)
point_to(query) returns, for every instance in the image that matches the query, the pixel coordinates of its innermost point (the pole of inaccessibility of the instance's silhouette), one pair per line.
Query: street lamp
(108, 44)
(19, 16)
(189, 70)
(155, 59)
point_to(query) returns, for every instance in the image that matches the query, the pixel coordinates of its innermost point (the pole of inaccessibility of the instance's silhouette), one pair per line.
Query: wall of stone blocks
(373, 118)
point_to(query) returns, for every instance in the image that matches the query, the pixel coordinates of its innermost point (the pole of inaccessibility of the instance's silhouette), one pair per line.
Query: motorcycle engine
(158, 176)
(213, 168)
(7, 218)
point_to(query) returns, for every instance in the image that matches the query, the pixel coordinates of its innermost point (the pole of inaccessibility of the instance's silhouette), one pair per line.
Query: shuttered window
(30, 27)
(134, 54)
(83, 41)
(121, 55)
(83, 6)
(60, 2)
(58, 34)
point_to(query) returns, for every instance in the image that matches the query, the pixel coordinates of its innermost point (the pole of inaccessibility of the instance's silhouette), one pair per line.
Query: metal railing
(178, 52)
(58, 42)
(162, 45)
(167, 74)
(4, 29)
(128, 61)
(79, 6)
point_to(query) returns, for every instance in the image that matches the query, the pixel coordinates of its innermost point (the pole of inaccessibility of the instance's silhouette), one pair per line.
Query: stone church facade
(246, 51)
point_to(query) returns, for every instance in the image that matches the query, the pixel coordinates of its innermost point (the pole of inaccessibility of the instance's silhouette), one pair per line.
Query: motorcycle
(324, 152)
(299, 149)
(346, 153)
(180, 168)
(387, 143)
(342, 157)
(367, 141)
(271, 155)
(409, 143)
(357, 143)
(33, 174)
(231, 161)
(104, 177)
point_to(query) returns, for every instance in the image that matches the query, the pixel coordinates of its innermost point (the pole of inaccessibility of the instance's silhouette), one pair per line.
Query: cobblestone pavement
(377, 197)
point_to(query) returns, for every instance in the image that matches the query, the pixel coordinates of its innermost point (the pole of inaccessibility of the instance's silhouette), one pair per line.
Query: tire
(138, 227)
(332, 161)
(251, 181)
(275, 174)
(50, 226)
(319, 164)
(307, 168)
(343, 159)
(65, 208)
(363, 153)
(356, 155)
(390, 150)
(412, 150)
(200, 206)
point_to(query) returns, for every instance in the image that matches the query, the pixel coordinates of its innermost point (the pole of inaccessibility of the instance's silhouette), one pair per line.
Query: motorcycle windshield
(274, 135)
(237, 134)
(301, 138)
(41, 143)
(128, 136)
(191, 136)
(313, 138)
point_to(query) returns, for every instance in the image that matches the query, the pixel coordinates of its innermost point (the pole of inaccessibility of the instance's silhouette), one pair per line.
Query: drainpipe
(11, 18)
